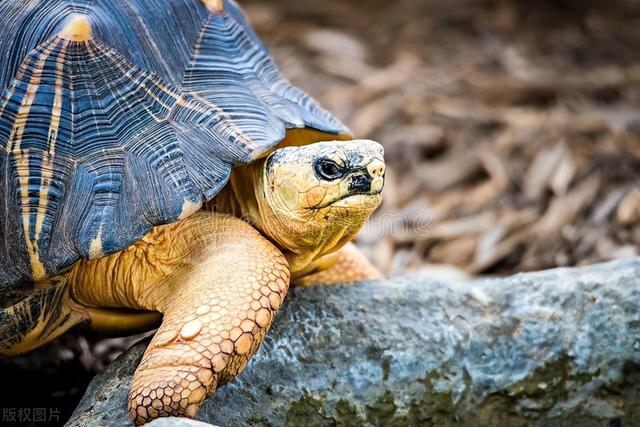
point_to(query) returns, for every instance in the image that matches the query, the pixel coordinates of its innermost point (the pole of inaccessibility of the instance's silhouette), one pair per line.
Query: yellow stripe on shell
(22, 160)
(47, 161)
(27, 102)
(178, 99)
(233, 127)
(198, 45)
(95, 249)
(22, 167)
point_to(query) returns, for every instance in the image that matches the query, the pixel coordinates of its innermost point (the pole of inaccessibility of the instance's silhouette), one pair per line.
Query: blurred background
(511, 130)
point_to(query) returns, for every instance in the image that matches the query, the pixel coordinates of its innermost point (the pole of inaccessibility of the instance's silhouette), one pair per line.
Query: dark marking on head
(360, 183)
(326, 169)
(355, 159)
(270, 159)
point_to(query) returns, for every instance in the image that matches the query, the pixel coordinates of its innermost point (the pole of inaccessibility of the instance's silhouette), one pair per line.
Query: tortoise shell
(119, 115)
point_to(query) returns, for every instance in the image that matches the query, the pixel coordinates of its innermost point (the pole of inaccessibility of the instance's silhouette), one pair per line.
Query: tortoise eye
(328, 170)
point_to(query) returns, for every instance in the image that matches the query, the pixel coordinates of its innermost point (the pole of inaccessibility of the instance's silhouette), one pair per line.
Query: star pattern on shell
(119, 115)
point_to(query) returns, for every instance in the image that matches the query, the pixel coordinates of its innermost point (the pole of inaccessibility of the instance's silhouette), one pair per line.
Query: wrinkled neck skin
(301, 239)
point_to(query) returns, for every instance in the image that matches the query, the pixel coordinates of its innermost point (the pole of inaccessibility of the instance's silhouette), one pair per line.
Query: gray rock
(559, 347)
(177, 422)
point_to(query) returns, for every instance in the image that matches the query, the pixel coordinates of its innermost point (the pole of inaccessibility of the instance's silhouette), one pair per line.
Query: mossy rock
(553, 348)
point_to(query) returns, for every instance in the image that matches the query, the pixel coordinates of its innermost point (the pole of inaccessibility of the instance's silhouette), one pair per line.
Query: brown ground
(511, 130)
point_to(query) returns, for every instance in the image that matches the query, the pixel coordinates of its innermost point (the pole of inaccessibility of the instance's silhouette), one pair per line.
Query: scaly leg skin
(344, 266)
(219, 284)
(213, 323)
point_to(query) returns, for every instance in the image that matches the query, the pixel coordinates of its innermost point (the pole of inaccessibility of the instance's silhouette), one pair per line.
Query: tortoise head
(329, 178)
(315, 197)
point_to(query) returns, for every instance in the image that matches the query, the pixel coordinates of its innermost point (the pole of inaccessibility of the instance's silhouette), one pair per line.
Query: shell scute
(119, 115)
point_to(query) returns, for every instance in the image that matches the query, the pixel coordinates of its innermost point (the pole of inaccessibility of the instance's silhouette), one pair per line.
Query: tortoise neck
(238, 197)
(301, 240)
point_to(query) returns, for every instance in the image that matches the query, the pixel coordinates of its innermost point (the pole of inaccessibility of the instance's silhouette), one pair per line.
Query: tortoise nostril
(376, 168)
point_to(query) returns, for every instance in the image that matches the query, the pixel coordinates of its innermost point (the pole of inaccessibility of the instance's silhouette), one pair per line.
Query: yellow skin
(219, 276)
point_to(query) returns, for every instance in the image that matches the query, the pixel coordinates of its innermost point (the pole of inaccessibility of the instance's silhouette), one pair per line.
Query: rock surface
(177, 422)
(559, 347)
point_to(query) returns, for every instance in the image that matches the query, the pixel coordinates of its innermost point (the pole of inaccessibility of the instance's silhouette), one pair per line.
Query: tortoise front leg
(216, 312)
(219, 284)
(344, 266)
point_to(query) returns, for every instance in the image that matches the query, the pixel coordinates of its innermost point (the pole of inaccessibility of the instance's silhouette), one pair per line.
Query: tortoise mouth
(355, 200)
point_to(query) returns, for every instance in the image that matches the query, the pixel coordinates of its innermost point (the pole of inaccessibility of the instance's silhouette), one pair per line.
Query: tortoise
(157, 170)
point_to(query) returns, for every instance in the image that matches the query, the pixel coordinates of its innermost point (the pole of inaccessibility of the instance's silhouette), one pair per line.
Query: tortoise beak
(368, 180)
(376, 170)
